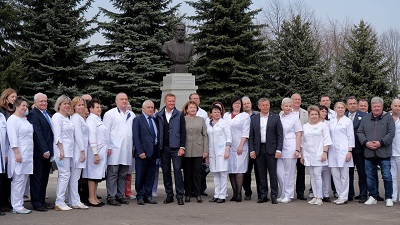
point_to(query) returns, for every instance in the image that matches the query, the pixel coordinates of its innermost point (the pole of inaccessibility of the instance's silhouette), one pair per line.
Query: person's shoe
(2, 213)
(362, 200)
(247, 197)
(238, 198)
(80, 206)
(150, 201)
(301, 197)
(140, 201)
(311, 195)
(40, 209)
(98, 197)
(22, 211)
(318, 202)
(154, 194)
(336, 200)
(279, 199)
(48, 205)
(169, 200)
(94, 205)
(62, 207)
(371, 201)
(213, 200)
(204, 193)
(187, 199)
(5, 209)
(122, 201)
(27, 198)
(358, 197)
(312, 201)
(389, 202)
(113, 202)
(326, 199)
(180, 201)
(380, 199)
(101, 203)
(233, 198)
(341, 202)
(285, 200)
(131, 197)
(274, 201)
(199, 200)
(220, 200)
(350, 199)
(335, 194)
(262, 200)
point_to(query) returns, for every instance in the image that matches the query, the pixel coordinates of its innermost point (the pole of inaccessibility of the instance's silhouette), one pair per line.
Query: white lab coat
(20, 134)
(291, 125)
(202, 113)
(315, 137)
(81, 140)
(4, 145)
(99, 137)
(342, 135)
(63, 130)
(121, 140)
(240, 127)
(219, 136)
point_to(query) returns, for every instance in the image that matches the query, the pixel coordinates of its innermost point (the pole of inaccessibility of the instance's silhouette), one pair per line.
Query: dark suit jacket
(43, 137)
(358, 149)
(177, 128)
(274, 134)
(142, 136)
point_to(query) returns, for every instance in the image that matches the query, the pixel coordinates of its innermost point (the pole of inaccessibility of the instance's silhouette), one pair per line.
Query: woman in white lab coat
(20, 158)
(239, 122)
(315, 144)
(99, 138)
(219, 141)
(340, 152)
(326, 171)
(81, 141)
(286, 165)
(64, 145)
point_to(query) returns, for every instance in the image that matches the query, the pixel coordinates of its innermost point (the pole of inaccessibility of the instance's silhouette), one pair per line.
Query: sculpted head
(179, 31)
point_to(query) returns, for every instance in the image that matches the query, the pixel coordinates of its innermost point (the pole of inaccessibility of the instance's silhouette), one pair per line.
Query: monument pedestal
(179, 84)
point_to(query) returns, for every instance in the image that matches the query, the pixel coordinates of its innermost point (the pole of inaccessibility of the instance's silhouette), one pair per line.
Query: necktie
(352, 116)
(47, 117)
(153, 133)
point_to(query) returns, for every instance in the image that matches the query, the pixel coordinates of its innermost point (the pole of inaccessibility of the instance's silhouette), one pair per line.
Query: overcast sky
(381, 14)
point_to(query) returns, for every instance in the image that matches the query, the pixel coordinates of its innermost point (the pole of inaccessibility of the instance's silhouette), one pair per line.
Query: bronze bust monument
(178, 50)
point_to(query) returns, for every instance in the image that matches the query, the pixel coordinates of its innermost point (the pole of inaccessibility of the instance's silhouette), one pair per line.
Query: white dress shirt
(263, 127)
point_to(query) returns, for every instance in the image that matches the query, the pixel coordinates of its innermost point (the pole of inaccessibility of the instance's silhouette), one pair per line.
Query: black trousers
(204, 178)
(5, 190)
(145, 175)
(167, 155)
(192, 172)
(359, 162)
(247, 178)
(39, 180)
(267, 163)
(300, 178)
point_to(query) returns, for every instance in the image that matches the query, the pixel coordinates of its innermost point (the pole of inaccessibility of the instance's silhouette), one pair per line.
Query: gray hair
(377, 100)
(263, 100)
(286, 100)
(60, 100)
(36, 96)
(246, 98)
(147, 101)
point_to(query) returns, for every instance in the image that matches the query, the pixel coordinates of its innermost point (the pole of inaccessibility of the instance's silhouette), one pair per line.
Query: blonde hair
(339, 103)
(60, 100)
(75, 102)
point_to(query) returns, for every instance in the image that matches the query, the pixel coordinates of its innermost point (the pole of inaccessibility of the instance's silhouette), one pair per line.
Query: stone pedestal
(179, 84)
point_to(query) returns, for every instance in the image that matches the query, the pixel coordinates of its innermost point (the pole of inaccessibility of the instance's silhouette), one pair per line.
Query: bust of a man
(178, 50)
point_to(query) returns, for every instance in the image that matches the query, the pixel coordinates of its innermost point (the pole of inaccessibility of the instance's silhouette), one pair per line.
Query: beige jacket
(196, 137)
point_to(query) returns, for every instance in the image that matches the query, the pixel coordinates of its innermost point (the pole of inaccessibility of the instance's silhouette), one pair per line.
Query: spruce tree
(230, 51)
(54, 37)
(296, 65)
(131, 58)
(363, 70)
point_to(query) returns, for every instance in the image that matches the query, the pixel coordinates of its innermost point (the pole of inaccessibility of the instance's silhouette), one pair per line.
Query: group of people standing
(85, 147)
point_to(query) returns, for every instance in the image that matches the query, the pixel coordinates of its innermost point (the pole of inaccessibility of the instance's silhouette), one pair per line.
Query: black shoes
(199, 200)
(247, 197)
(122, 201)
(380, 199)
(48, 205)
(326, 199)
(180, 201)
(357, 197)
(150, 201)
(262, 200)
(94, 205)
(40, 209)
(204, 194)
(2, 213)
(274, 201)
(362, 200)
(220, 200)
(169, 200)
(301, 197)
(113, 202)
(140, 201)
(233, 198)
(239, 198)
(187, 199)
(213, 200)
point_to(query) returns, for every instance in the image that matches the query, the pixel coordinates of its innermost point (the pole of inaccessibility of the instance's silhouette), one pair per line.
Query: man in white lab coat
(119, 121)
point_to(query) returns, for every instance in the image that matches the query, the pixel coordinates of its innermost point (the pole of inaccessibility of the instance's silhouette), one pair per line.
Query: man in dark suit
(43, 139)
(265, 145)
(358, 152)
(145, 140)
(172, 130)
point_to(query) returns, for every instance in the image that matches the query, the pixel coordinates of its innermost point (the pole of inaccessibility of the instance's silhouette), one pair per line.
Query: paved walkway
(246, 212)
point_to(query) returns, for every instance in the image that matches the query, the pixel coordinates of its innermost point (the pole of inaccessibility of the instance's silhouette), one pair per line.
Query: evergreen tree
(230, 58)
(363, 70)
(132, 59)
(296, 64)
(53, 38)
